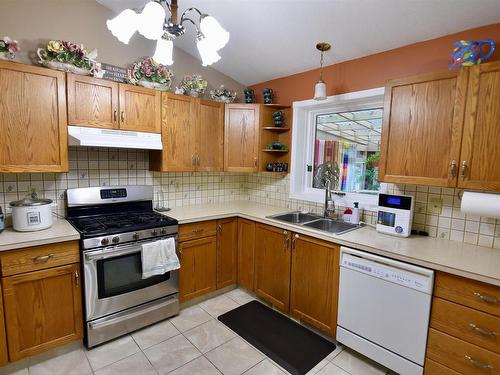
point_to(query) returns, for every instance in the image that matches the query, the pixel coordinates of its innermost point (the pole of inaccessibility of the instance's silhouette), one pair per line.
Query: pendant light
(320, 88)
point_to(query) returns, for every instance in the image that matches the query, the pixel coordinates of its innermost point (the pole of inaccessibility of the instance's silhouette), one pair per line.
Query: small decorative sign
(111, 72)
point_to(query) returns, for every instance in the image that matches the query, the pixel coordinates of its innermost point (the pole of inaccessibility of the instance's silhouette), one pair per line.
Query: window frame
(303, 136)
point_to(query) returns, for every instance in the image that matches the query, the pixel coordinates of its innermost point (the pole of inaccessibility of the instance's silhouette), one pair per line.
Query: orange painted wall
(374, 70)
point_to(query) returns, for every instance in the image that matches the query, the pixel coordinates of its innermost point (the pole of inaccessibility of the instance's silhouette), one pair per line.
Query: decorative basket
(193, 93)
(6, 56)
(155, 85)
(62, 66)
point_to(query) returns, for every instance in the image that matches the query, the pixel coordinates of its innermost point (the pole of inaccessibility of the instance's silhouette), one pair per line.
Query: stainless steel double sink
(314, 221)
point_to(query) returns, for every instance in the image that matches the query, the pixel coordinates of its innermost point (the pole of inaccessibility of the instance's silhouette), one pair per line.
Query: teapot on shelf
(470, 52)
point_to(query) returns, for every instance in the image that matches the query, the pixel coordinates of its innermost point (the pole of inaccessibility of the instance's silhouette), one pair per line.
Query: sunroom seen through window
(348, 143)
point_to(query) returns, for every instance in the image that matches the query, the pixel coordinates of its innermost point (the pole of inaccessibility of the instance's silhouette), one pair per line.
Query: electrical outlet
(435, 206)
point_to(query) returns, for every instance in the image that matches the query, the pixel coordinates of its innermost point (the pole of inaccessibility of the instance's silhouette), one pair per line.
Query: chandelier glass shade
(158, 21)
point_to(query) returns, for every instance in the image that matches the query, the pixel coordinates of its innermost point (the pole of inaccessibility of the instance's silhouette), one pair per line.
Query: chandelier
(152, 23)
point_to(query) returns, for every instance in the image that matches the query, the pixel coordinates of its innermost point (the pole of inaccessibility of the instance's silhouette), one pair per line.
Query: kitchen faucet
(329, 209)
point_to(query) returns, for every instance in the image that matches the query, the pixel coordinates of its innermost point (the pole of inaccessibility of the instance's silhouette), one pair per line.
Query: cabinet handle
(193, 162)
(197, 160)
(453, 170)
(123, 117)
(477, 363)
(486, 298)
(255, 162)
(294, 240)
(286, 240)
(115, 116)
(482, 331)
(77, 279)
(464, 169)
(198, 230)
(42, 258)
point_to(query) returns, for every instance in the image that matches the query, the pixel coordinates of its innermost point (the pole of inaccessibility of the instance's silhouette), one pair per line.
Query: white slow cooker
(31, 214)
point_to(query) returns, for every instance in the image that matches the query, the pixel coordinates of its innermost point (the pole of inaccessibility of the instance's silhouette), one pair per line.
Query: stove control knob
(154, 232)
(163, 231)
(115, 239)
(135, 236)
(104, 241)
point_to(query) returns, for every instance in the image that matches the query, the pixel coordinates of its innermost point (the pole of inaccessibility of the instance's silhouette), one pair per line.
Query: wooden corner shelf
(276, 129)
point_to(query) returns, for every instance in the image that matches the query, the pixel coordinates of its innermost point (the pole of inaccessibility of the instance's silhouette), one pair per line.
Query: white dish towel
(159, 257)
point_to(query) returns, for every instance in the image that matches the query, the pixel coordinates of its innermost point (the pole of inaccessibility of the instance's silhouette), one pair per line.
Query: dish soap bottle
(355, 214)
(347, 215)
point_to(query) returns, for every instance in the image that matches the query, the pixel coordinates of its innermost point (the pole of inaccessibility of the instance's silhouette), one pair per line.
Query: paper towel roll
(481, 204)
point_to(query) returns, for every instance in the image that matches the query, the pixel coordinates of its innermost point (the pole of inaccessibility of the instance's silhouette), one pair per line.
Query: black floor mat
(286, 342)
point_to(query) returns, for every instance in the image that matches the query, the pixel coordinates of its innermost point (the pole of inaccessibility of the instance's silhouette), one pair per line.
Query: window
(340, 135)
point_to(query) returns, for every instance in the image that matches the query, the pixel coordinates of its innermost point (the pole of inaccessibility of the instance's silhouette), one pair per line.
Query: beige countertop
(475, 262)
(59, 232)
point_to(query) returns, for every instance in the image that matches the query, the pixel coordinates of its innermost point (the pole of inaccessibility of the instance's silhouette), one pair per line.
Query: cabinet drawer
(461, 356)
(470, 325)
(39, 257)
(434, 368)
(201, 229)
(471, 293)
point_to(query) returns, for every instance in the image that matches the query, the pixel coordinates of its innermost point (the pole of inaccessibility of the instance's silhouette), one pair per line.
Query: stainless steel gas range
(114, 223)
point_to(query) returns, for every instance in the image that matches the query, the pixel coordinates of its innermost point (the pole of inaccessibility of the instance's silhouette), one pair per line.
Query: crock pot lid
(26, 202)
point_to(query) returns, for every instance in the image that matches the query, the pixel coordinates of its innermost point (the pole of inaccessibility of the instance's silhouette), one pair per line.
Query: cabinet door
(3, 339)
(140, 109)
(43, 310)
(33, 120)
(315, 281)
(198, 274)
(179, 123)
(246, 253)
(210, 137)
(241, 138)
(272, 265)
(422, 130)
(227, 251)
(92, 102)
(480, 157)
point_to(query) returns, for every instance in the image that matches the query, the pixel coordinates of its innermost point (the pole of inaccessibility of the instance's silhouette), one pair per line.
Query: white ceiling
(276, 38)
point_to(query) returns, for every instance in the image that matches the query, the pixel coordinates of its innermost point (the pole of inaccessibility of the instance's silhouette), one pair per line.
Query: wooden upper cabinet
(33, 120)
(315, 282)
(227, 252)
(179, 123)
(92, 102)
(210, 137)
(241, 138)
(198, 267)
(272, 265)
(4, 358)
(246, 253)
(480, 157)
(422, 129)
(140, 109)
(43, 309)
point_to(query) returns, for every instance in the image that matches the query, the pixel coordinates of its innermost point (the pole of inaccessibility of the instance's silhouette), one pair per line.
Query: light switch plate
(435, 206)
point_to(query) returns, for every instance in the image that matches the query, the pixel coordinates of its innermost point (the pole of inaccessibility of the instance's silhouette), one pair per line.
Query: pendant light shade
(320, 88)
(164, 51)
(207, 52)
(214, 32)
(151, 21)
(124, 25)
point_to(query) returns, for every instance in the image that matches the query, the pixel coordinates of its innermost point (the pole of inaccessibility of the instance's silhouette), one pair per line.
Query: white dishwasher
(384, 308)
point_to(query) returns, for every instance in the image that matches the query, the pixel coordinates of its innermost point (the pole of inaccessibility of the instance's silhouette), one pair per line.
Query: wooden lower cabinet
(227, 246)
(314, 282)
(198, 265)
(42, 309)
(434, 368)
(246, 253)
(4, 357)
(272, 265)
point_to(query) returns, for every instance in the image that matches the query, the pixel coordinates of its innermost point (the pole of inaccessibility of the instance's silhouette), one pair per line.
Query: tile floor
(192, 343)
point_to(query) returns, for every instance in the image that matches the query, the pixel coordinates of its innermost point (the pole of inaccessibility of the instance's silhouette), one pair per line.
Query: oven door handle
(115, 252)
(140, 311)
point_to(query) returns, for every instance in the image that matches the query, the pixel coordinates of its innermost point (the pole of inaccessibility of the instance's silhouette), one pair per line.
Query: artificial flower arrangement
(67, 56)
(148, 73)
(193, 85)
(223, 95)
(8, 48)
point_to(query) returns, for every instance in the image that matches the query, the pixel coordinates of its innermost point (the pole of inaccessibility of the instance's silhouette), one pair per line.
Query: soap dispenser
(355, 214)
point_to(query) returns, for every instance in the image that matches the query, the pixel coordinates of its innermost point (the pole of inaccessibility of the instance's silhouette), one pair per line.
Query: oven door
(113, 280)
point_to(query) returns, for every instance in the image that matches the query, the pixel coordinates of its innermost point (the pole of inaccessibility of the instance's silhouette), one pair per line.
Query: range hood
(81, 136)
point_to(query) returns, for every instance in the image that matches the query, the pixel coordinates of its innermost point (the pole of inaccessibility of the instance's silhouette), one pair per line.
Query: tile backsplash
(106, 167)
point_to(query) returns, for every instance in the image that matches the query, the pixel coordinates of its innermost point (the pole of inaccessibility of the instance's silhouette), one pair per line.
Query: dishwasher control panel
(389, 273)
